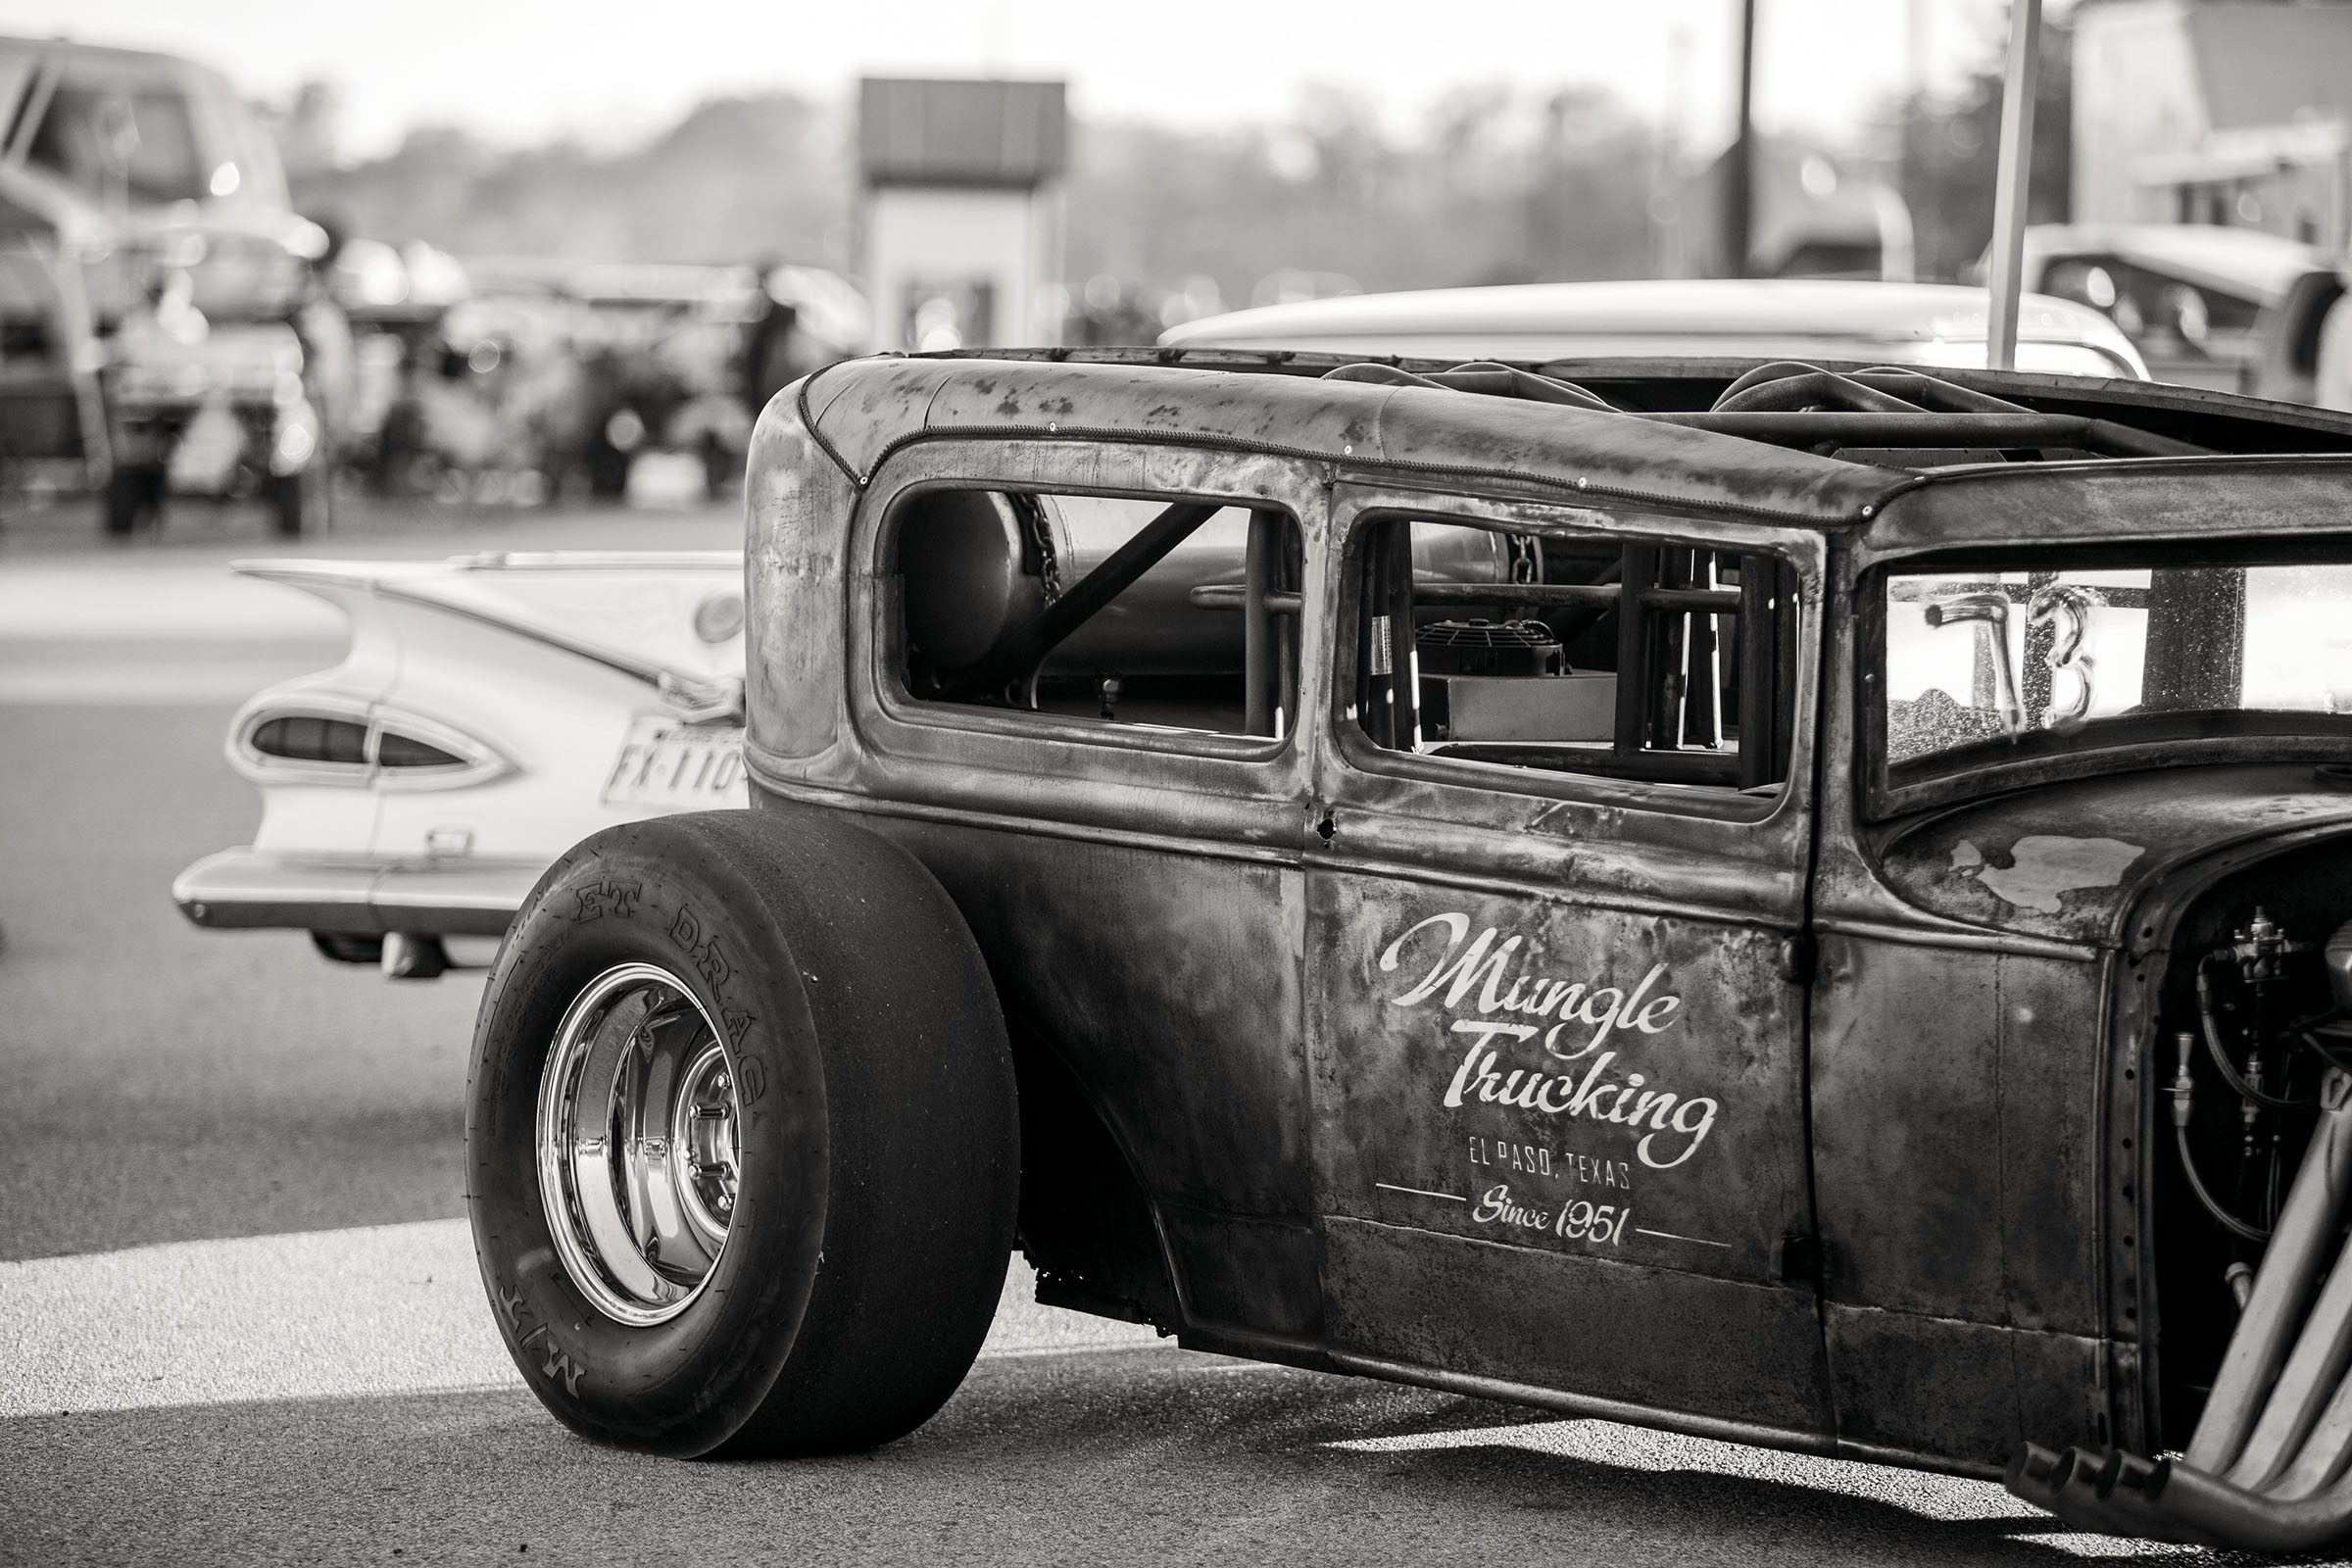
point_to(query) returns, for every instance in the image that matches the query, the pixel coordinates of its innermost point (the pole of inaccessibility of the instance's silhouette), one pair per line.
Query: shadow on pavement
(1145, 1456)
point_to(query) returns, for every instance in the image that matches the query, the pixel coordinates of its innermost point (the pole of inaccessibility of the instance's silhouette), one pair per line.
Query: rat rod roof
(1722, 436)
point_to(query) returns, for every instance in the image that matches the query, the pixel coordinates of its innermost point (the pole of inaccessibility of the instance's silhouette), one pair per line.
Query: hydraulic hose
(2220, 1057)
(2183, 1096)
(2196, 1184)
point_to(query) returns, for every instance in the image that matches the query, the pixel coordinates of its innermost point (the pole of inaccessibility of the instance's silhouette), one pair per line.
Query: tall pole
(1673, 257)
(2018, 84)
(1739, 166)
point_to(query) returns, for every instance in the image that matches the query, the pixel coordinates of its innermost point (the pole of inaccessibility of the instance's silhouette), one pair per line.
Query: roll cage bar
(1904, 417)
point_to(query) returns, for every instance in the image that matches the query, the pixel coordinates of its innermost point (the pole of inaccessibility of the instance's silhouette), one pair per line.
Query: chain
(1041, 539)
(1526, 564)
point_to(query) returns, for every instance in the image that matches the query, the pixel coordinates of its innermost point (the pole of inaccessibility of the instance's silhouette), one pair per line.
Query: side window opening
(1641, 659)
(1168, 613)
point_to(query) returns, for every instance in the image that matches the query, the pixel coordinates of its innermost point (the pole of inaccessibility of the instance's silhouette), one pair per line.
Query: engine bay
(2250, 1052)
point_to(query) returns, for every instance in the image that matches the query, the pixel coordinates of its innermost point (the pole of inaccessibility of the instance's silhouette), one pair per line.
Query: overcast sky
(524, 71)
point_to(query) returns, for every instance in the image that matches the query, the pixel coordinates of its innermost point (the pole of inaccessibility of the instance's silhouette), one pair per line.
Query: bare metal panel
(1613, 1332)
(2022, 867)
(1962, 1394)
(1955, 1124)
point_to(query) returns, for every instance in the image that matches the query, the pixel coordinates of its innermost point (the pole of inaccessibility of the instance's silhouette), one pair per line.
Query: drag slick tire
(741, 1137)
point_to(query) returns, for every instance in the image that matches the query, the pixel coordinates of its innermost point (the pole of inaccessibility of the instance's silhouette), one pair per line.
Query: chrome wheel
(637, 1144)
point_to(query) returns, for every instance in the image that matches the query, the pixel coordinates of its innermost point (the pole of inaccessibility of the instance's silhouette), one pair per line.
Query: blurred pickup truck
(154, 285)
(2232, 309)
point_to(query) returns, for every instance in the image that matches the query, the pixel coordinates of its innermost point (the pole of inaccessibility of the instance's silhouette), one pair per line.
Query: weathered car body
(490, 709)
(1762, 1089)
(1709, 320)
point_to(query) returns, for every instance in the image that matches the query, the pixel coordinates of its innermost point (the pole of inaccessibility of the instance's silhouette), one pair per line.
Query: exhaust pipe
(413, 955)
(2265, 1468)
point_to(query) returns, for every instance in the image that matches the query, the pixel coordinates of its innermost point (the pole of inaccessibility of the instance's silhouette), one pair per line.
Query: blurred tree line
(1496, 188)
(1947, 156)
(736, 179)
(1499, 188)
(1492, 185)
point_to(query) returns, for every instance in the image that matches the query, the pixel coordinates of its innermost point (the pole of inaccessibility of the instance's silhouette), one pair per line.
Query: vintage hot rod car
(1809, 907)
(320, 862)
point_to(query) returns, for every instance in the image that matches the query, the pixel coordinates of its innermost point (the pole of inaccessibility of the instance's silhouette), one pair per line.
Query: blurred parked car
(2206, 305)
(491, 399)
(657, 354)
(1889, 324)
(546, 372)
(2307, 340)
(394, 299)
(154, 290)
(2319, 341)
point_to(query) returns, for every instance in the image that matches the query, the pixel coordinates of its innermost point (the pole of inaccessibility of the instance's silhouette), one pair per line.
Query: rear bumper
(248, 889)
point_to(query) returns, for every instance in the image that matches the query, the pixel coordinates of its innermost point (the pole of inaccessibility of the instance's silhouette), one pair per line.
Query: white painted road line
(116, 597)
(117, 633)
(121, 683)
(387, 1309)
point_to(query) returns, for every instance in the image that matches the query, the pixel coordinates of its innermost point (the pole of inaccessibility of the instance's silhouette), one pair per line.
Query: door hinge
(1799, 955)
(1797, 1258)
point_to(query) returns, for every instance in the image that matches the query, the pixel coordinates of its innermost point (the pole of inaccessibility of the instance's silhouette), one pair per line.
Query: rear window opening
(1141, 612)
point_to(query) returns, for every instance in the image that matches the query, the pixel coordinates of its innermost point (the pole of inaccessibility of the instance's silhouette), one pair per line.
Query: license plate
(678, 766)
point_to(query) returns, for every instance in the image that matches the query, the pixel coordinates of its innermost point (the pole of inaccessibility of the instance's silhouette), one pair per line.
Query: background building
(2228, 112)
(961, 210)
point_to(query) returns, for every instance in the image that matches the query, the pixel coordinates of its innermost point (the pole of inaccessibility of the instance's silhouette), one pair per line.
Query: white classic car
(1940, 325)
(493, 710)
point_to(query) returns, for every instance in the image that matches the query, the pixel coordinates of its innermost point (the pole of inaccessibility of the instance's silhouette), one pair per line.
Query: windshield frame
(2126, 744)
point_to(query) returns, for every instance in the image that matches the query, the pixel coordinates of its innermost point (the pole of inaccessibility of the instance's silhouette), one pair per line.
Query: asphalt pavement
(239, 1318)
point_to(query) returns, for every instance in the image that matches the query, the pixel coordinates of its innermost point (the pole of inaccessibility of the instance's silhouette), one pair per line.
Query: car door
(1555, 1002)
(1121, 824)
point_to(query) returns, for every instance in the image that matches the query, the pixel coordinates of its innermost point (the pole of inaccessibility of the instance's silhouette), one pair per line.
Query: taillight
(395, 750)
(309, 738)
(315, 745)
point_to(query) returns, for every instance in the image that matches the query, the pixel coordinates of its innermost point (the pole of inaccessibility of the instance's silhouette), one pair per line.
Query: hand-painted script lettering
(1470, 973)
(1469, 967)
(1578, 1221)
